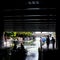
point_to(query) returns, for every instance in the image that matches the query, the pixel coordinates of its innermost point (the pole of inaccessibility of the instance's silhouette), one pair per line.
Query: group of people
(18, 40)
(48, 41)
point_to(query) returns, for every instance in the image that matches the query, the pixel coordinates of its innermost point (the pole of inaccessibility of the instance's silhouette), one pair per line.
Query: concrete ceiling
(36, 17)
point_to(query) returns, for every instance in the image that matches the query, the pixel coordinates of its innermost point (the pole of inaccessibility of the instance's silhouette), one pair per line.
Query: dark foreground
(7, 54)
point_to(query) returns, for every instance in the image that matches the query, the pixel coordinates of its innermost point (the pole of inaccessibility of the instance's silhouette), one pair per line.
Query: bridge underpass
(34, 17)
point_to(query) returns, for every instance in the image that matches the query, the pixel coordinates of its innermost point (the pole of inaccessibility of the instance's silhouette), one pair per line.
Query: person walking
(48, 41)
(53, 42)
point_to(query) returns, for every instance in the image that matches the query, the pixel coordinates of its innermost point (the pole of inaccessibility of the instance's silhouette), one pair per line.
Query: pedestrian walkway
(33, 53)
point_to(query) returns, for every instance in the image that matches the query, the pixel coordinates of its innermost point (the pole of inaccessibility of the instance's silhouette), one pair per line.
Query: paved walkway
(50, 46)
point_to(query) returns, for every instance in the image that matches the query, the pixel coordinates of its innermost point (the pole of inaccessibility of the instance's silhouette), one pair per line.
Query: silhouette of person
(15, 45)
(23, 52)
(47, 41)
(41, 42)
(53, 42)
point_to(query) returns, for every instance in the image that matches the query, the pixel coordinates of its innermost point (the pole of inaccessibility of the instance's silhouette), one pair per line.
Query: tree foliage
(19, 33)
